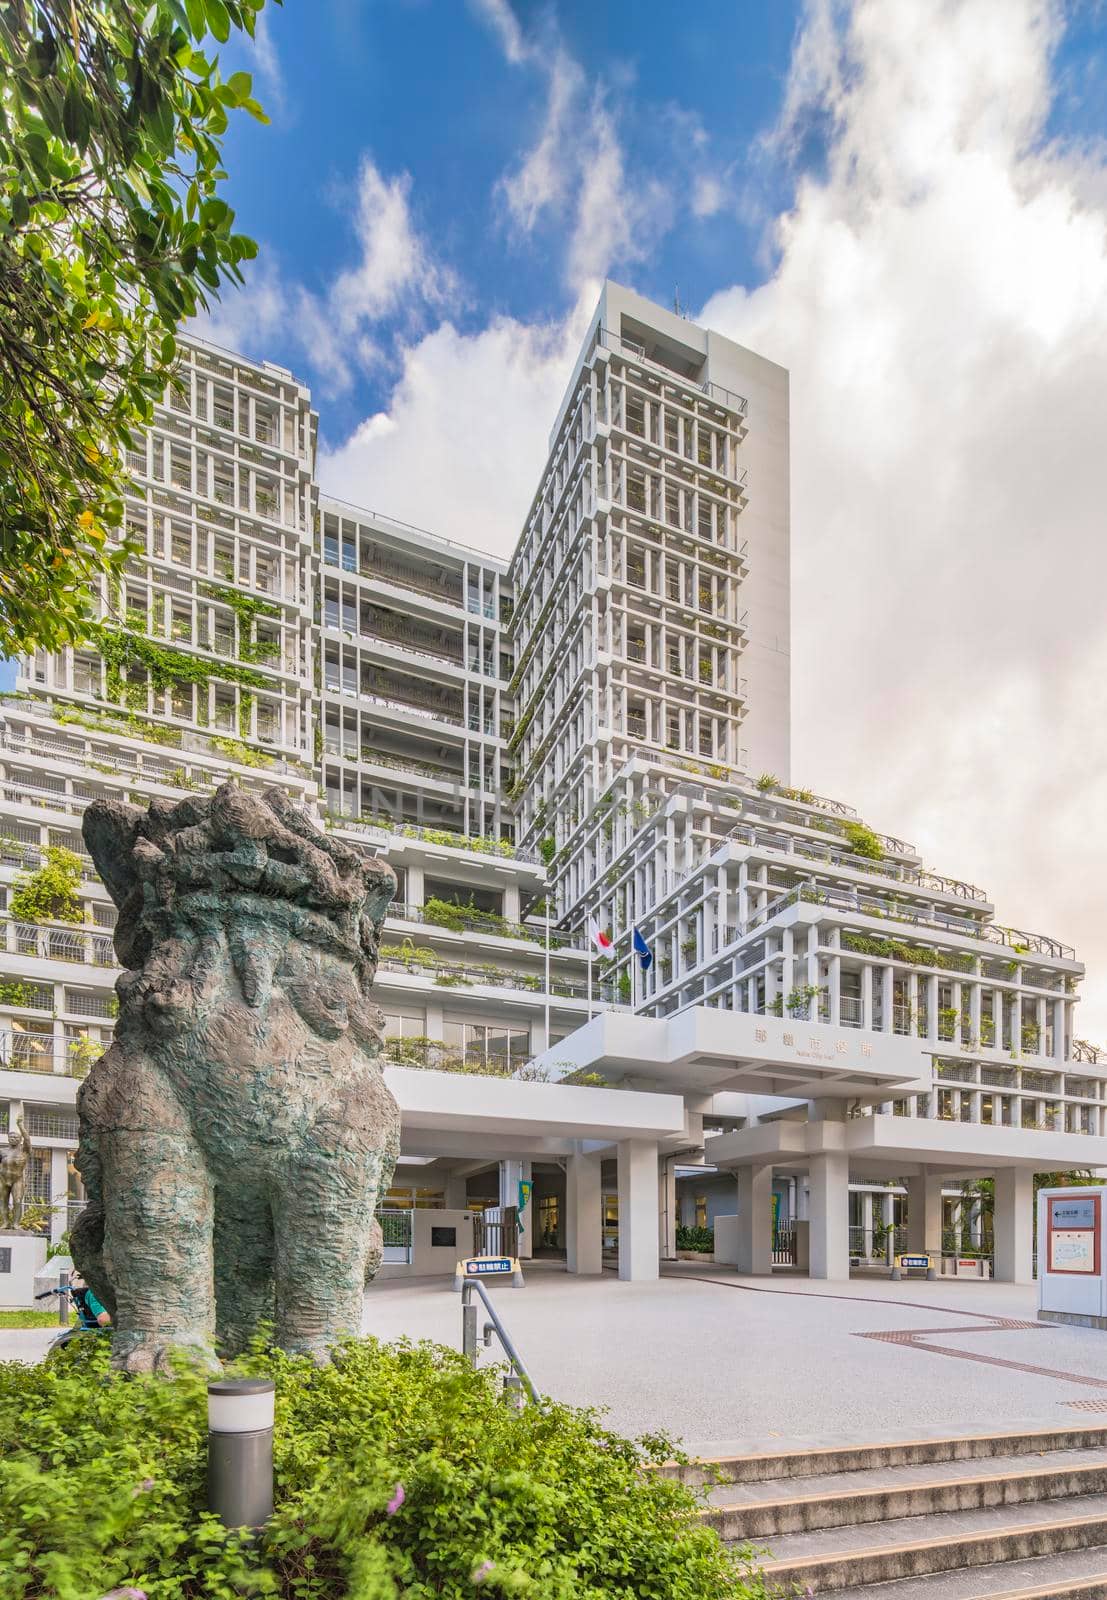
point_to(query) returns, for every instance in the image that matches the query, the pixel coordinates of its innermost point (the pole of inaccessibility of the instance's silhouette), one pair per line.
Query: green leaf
(75, 116)
(197, 18)
(240, 85)
(218, 19)
(21, 209)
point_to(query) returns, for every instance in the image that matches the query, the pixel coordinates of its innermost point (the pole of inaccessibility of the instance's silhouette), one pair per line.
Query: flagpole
(590, 944)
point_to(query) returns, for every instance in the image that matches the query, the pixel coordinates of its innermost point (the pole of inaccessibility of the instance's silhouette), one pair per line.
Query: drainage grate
(1086, 1405)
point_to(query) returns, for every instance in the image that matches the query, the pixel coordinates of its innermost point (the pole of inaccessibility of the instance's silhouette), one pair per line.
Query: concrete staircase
(1022, 1516)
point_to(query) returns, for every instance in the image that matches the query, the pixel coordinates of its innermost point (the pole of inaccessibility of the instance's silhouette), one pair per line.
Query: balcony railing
(450, 975)
(893, 911)
(415, 583)
(59, 944)
(475, 923)
(714, 391)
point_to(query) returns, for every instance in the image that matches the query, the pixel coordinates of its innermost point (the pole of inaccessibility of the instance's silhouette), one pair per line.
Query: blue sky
(424, 88)
(902, 201)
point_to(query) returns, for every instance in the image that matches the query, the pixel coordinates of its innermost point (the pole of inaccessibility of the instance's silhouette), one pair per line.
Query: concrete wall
(434, 1260)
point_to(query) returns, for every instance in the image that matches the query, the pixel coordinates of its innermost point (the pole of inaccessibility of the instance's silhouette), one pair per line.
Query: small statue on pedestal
(13, 1175)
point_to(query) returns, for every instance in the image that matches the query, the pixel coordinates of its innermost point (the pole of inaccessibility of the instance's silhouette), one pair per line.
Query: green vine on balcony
(165, 667)
(911, 954)
(117, 722)
(235, 750)
(50, 893)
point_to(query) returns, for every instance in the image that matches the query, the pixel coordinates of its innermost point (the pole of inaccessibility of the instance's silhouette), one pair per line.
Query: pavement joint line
(850, 1299)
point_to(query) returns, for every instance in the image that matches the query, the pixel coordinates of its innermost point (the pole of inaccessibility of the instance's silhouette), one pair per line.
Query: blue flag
(642, 951)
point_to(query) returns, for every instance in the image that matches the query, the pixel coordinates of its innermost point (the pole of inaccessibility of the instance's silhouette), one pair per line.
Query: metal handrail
(469, 1336)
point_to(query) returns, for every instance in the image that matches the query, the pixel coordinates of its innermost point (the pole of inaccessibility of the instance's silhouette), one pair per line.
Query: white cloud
(504, 23)
(708, 195)
(544, 178)
(941, 300)
(462, 443)
(336, 330)
(395, 264)
(575, 172)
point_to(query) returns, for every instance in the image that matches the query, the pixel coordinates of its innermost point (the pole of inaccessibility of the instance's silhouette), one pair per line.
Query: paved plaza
(725, 1362)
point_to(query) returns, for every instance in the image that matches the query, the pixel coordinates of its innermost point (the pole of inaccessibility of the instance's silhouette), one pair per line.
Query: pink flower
(126, 1593)
(396, 1501)
(143, 1488)
(485, 1570)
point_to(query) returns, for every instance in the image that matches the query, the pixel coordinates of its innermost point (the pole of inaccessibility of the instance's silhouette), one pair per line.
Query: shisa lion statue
(237, 1135)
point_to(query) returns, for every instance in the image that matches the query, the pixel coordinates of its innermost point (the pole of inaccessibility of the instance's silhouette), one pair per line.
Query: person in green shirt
(90, 1313)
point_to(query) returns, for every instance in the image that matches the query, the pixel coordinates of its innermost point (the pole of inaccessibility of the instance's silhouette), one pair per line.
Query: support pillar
(1014, 1226)
(888, 1201)
(755, 1220)
(511, 1173)
(867, 1224)
(638, 1253)
(583, 1215)
(924, 1215)
(829, 1202)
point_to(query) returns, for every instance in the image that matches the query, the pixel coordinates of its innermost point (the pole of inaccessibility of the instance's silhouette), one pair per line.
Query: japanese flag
(602, 941)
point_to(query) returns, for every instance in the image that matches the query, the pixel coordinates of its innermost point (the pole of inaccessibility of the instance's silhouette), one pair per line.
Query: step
(909, 1547)
(830, 1507)
(1071, 1575)
(819, 1461)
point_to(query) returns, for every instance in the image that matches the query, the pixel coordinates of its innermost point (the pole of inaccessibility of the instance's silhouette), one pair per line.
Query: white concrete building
(831, 1040)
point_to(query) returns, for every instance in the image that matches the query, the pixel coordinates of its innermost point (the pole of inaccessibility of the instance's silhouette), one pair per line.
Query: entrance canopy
(703, 1050)
(882, 1147)
(462, 1114)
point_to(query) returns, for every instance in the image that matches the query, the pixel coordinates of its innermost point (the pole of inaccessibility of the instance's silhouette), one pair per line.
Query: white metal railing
(56, 943)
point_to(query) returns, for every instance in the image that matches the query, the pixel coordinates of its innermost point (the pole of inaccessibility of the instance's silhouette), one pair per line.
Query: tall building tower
(651, 628)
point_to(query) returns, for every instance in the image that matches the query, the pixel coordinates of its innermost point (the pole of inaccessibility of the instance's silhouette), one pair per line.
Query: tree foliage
(112, 232)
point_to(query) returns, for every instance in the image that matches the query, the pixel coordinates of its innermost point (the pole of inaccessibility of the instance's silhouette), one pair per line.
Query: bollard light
(63, 1298)
(240, 1451)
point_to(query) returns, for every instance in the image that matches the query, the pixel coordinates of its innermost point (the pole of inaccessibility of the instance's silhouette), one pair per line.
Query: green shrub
(401, 1475)
(863, 841)
(695, 1239)
(50, 894)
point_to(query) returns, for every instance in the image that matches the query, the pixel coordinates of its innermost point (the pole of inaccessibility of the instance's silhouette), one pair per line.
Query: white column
(867, 996)
(835, 984)
(755, 1220)
(889, 999)
(1014, 1226)
(511, 1174)
(889, 1203)
(924, 1214)
(638, 1255)
(787, 965)
(59, 1192)
(867, 1223)
(1058, 1030)
(583, 1214)
(414, 893)
(830, 1215)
